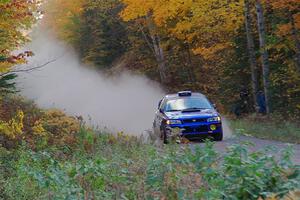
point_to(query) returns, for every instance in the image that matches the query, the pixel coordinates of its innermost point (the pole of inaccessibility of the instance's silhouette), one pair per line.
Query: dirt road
(258, 144)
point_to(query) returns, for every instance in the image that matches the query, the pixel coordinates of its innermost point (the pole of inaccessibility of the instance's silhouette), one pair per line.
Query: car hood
(188, 115)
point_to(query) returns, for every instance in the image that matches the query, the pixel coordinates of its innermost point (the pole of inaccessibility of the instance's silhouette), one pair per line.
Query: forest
(217, 47)
(237, 52)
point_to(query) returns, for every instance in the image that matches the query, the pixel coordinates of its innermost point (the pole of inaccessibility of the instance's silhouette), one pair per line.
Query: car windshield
(187, 104)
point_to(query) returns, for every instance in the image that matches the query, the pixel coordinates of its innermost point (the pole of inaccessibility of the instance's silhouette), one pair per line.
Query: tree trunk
(251, 52)
(190, 64)
(264, 53)
(160, 58)
(158, 51)
(296, 40)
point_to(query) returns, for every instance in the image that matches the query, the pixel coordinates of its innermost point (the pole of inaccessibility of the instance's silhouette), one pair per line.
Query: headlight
(214, 119)
(172, 122)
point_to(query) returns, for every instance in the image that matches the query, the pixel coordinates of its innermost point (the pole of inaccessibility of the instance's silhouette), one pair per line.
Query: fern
(7, 84)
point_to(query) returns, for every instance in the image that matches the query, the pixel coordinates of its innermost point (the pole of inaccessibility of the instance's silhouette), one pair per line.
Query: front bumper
(196, 129)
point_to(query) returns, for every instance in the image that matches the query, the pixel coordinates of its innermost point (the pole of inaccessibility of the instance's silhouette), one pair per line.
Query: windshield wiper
(173, 110)
(192, 109)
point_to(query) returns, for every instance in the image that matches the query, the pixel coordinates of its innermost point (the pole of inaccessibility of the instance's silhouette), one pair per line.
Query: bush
(13, 128)
(22, 121)
(122, 167)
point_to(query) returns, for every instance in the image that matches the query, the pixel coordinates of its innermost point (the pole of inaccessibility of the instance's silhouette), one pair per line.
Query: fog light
(213, 127)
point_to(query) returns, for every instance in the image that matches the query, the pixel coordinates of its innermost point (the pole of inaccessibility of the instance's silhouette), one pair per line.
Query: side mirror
(215, 106)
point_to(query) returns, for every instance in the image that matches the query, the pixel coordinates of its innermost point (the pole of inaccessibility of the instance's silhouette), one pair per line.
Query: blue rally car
(191, 113)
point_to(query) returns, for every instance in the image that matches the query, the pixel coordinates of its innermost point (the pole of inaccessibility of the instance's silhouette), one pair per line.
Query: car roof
(176, 96)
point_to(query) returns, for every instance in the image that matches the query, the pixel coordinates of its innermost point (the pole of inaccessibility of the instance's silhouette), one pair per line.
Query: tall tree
(290, 8)
(296, 39)
(208, 27)
(144, 12)
(251, 51)
(109, 36)
(64, 18)
(157, 49)
(264, 53)
(16, 18)
(92, 26)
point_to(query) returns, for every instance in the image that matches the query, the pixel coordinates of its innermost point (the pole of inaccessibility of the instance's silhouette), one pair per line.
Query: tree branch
(28, 69)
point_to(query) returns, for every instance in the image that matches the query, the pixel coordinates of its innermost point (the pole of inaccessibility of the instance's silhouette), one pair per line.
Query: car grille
(186, 121)
(198, 129)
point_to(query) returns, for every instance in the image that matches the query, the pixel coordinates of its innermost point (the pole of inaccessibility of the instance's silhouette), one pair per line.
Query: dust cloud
(124, 103)
(228, 133)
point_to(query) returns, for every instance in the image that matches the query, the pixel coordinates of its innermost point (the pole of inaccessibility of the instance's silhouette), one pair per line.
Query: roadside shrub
(247, 175)
(57, 122)
(60, 128)
(22, 121)
(13, 128)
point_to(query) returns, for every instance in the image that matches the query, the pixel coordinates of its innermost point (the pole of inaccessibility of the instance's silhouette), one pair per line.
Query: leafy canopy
(208, 25)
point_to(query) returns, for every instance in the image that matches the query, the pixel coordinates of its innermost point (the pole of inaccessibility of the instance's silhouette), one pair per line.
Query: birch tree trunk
(158, 51)
(160, 58)
(251, 52)
(264, 53)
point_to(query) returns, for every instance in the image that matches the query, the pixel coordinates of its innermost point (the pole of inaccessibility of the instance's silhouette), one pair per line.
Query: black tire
(165, 136)
(218, 137)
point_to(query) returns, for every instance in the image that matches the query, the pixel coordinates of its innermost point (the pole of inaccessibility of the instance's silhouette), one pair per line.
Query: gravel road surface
(258, 144)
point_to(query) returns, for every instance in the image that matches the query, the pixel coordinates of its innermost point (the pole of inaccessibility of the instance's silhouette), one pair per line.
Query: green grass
(267, 128)
(121, 167)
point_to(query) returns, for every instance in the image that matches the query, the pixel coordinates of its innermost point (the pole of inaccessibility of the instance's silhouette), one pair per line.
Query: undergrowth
(49, 155)
(22, 121)
(274, 128)
(103, 166)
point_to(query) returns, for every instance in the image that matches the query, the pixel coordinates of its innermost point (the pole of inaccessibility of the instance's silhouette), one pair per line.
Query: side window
(159, 103)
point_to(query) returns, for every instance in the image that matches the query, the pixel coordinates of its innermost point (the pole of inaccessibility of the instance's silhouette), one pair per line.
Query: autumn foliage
(208, 25)
(22, 121)
(16, 18)
(197, 45)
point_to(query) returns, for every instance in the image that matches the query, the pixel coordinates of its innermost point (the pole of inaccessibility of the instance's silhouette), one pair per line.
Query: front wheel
(218, 137)
(165, 137)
